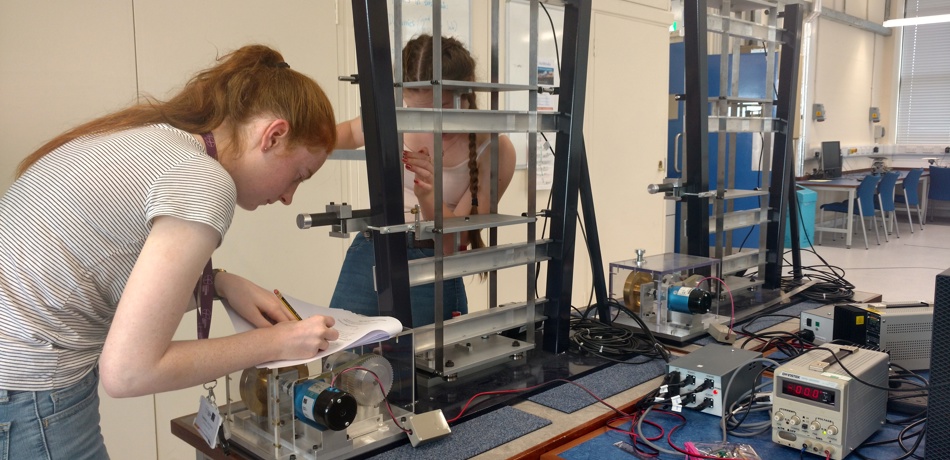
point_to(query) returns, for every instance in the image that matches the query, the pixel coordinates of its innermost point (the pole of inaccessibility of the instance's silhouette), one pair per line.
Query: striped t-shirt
(71, 229)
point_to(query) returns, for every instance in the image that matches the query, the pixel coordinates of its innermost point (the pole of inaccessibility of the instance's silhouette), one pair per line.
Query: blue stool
(885, 202)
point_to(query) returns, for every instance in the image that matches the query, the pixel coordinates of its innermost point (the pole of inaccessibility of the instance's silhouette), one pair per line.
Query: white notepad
(354, 329)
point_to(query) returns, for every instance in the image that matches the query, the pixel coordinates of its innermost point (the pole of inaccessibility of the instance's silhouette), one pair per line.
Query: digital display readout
(808, 392)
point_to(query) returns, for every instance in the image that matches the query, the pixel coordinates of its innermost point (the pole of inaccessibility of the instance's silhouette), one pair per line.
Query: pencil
(287, 304)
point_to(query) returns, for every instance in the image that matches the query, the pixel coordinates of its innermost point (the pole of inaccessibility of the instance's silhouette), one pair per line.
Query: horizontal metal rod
(475, 121)
(470, 85)
(739, 219)
(473, 222)
(327, 218)
(422, 271)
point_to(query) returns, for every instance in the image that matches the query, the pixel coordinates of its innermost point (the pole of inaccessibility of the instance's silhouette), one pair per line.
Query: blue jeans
(52, 424)
(356, 288)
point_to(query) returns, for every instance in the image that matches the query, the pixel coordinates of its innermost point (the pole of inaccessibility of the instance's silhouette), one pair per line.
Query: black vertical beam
(593, 239)
(782, 186)
(568, 161)
(697, 128)
(383, 156)
(794, 205)
(795, 217)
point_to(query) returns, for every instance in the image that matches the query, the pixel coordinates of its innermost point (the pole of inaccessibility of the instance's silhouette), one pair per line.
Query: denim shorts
(356, 288)
(52, 424)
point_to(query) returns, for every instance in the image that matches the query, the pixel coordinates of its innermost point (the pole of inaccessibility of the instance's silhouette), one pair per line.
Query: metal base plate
(674, 333)
(748, 303)
(464, 358)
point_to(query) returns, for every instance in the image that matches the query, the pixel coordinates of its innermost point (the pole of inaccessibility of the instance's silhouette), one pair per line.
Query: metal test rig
(708, 199)
(336, 409)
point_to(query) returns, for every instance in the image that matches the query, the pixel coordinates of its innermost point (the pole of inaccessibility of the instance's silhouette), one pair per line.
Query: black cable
(612, 343)
(833, 287)
(551, 196)
(916, 417)
(659, 347)
(647, 400)
(904, 433)
(757, 187)
(904, 370)
(781, 344)
(899, 379)
(920, 436)
(537, 270)
(780, 340)
(557, 52)
(621, 342)
(742, 244)
(738, 423)
(856, 378)
(580, 222)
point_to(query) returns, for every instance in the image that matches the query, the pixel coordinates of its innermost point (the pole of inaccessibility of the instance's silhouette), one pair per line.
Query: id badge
(208, 421)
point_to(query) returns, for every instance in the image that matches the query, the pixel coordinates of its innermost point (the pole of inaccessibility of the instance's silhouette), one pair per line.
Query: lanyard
(204, 291)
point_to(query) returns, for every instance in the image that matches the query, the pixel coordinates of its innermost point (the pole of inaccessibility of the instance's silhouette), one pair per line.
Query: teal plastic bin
(807, 199)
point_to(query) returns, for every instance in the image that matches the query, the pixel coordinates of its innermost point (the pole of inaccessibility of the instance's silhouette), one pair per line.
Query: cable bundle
(614, 343)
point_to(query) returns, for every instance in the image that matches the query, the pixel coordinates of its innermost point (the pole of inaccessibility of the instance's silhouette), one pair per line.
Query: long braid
(474, 236)
(457, 64)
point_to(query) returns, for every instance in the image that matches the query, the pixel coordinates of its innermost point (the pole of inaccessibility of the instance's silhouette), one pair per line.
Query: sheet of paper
(354, 329)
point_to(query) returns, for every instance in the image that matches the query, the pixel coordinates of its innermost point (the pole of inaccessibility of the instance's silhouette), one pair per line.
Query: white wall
(60, 64)
(851, 70)
(64, 62)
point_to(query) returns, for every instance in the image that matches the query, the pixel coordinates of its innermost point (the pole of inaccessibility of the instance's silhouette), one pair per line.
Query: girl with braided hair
(104, 234)
(466, 175)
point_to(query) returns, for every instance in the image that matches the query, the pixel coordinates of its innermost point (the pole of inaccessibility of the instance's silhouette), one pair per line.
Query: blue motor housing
(322, 406)
(688, 300)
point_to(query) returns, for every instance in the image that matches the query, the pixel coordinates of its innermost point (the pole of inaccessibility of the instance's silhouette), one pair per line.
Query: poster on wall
(546, 102)
(547, 72)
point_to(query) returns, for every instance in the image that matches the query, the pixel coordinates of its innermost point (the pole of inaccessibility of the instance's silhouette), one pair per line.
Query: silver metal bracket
(339, 217)
(672, 189)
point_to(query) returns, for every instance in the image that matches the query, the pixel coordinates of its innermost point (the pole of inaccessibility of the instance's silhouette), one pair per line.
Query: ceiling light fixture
(917, 20)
